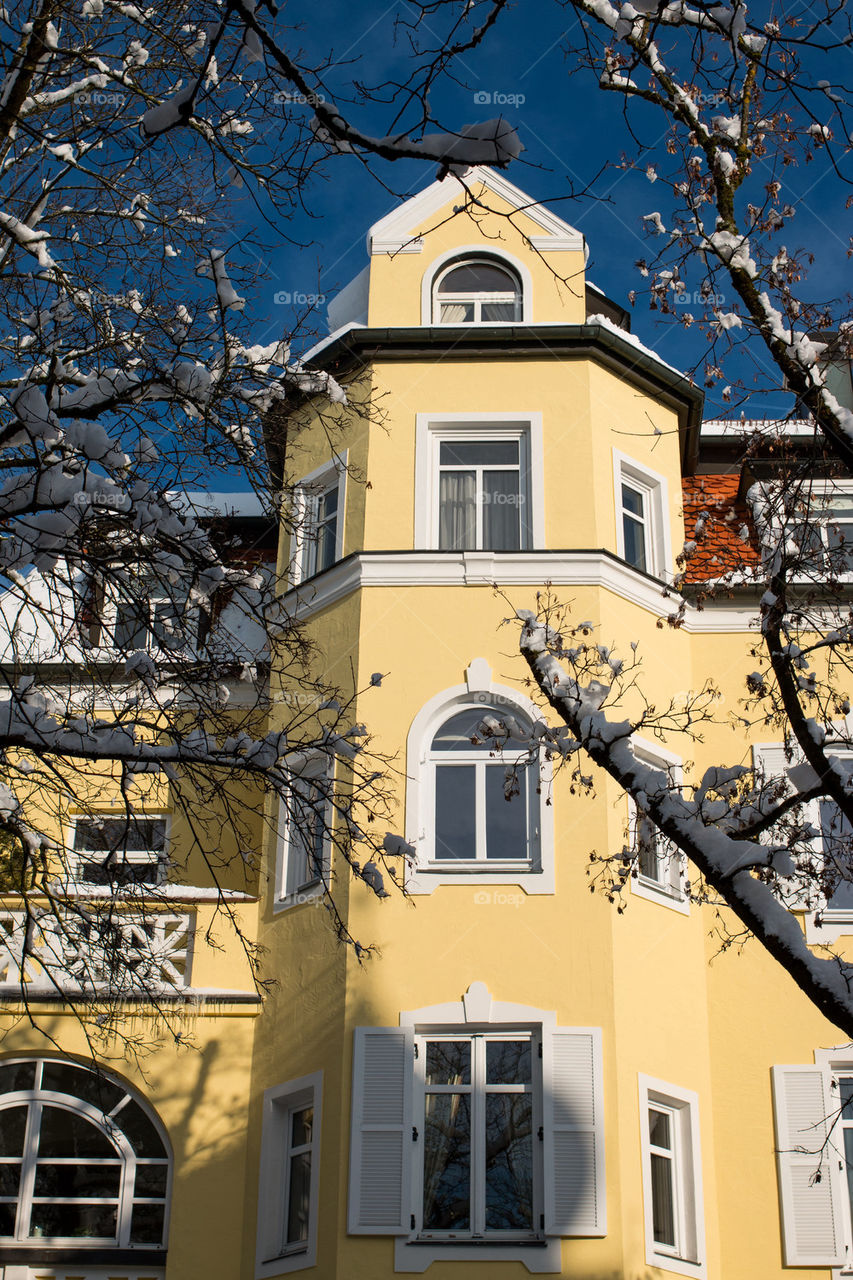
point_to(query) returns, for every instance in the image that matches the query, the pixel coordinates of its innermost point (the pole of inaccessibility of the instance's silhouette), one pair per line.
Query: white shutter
(381, 1150)
(808, 1163)
(573, 1132)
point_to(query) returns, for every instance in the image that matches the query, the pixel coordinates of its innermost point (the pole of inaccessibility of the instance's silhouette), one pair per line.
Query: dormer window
(476, 291)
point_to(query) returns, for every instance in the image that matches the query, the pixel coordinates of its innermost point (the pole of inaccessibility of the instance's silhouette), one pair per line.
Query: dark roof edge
(359, 346)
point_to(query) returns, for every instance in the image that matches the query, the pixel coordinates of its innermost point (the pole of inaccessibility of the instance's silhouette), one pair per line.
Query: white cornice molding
(524, 568)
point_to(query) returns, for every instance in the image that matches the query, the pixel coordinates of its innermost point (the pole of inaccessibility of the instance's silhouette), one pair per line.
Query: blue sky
(569, 128)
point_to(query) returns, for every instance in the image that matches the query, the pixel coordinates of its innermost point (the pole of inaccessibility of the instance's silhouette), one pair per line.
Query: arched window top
(82, 1162)
(480, 728)
(476, 290)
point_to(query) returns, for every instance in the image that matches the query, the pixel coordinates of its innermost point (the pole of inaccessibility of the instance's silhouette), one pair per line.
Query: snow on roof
(634, 341)
(747, 426)
(246, 505)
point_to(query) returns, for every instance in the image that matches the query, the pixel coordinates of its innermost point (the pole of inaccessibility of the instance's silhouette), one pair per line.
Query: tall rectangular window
(303, 836)
(672, 1177)
(635, 530)
(321, 533)
(288, 1196)
(480, 495)
(318, 513)
(480, 1109)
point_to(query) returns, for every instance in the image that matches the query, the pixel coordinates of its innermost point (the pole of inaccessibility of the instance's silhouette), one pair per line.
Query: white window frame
(835, 921)
(133, 857)
(310, 768)
(476, 298)
(572, 1096)
(526, 427)
(107, 608)
(477, 1155)
(667, 889)
(279, 1104)
(655, 491)
(687, 1258)
(306, 493)
(535, 874)
(38, 1097)
(825, 489)
(464, 252)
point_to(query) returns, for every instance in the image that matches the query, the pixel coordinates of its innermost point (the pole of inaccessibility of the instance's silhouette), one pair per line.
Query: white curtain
(457, 524)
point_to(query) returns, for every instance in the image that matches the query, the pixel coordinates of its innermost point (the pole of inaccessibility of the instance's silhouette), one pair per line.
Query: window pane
(659, 1129)
(457, 519)
(635, 542)
(501, 511)
(10, 1177)
(306, 846)
(301, 1127)
(447, 1163)
(299, 1198)
(13, 1127)
(457, 312)
(455, 811)
(131, 629)
(508, 1062)
(74, 1181)
(478, 453)
(478, 277)
(92, 1221)
(448, 1062)
(327, 538)
(140, 1131)
(500, 311)
(17, 1076)
(506, 820)
(648, 862)
(65, 1133)
(327, 504)
(137, 835)
(848, 1162)
(61, 1077)
(663, 1208)
(845, 1089)
(151, 1179)
(632, 501)
(146, 1225)
(8, 1213)
(456, 733)
(509, 1162)
(837, 836)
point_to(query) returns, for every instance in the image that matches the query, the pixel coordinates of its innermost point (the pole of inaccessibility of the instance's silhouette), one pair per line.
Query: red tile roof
(726, 542)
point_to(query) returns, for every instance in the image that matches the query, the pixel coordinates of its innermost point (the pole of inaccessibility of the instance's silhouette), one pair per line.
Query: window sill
(532, 880)
(312, 893)
(680, 1266)
(662, 894)
(540, 1257)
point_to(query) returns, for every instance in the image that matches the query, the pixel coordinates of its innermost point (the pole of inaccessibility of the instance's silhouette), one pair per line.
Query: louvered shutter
(809, 1180)
(381, 1146)
(573, 1132)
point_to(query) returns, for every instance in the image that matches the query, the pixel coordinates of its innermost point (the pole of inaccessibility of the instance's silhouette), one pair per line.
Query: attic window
(476, 291)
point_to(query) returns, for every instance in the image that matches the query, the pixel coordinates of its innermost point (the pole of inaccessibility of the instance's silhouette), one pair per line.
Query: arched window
(485, 801)
(82, 1162)
(476, 291)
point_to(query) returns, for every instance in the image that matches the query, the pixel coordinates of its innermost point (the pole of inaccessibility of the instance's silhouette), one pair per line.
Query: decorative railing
(94, 947)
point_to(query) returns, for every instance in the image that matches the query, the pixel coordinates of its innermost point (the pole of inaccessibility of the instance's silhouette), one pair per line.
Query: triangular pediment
(398, 231)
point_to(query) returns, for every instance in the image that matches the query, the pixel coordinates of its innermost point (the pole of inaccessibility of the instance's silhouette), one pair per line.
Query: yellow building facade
(520, 1079)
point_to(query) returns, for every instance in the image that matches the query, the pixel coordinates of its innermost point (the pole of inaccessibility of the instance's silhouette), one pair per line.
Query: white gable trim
(393, 233)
